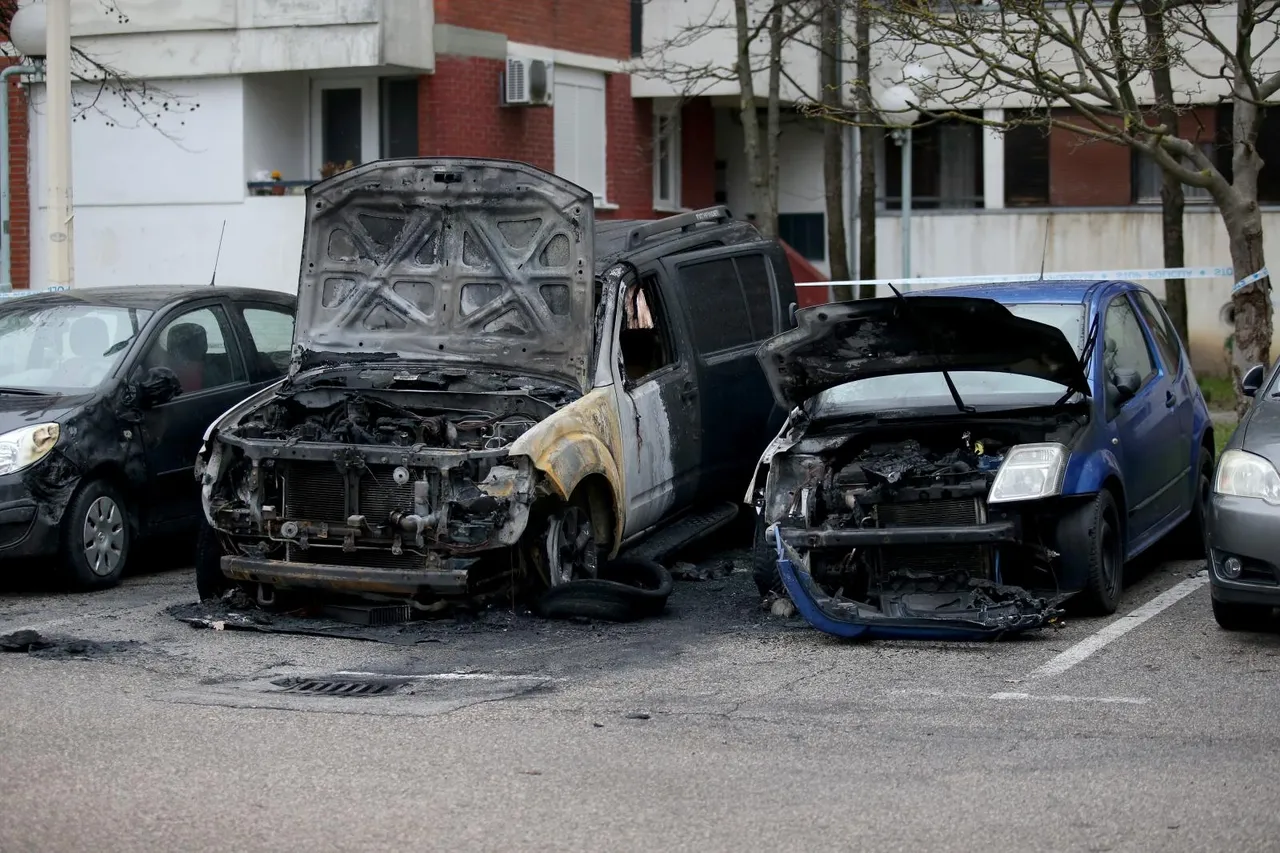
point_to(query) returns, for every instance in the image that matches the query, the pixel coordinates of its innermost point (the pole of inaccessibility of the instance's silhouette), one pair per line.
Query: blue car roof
(1027, 291)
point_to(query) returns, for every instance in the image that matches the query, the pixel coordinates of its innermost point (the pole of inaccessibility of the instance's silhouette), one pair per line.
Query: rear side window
(731, 301)
(271, 329)
(1161, 329)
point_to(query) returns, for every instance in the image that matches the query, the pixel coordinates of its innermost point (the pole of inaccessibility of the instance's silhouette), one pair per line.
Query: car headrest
(187, 341)
(90, 337)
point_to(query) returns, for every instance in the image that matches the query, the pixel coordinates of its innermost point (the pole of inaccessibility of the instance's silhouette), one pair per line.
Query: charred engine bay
(934, 476)
(379, 478)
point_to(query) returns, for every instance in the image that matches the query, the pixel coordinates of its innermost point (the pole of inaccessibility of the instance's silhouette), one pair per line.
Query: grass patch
(1219, 394)
(1221, 435)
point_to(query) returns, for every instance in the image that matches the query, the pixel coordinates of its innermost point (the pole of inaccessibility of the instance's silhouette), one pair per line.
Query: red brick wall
(698, 154)
(628, 151)
(1086, 173)
(459, 116)
(19, 189)
(597, 27)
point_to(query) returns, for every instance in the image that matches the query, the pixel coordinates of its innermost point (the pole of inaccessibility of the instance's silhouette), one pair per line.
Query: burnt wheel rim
(1111, 559)
(103, 538)
(571, 547)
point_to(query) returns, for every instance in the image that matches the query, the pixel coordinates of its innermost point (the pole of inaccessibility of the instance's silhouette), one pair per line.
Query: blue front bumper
(1018, 612)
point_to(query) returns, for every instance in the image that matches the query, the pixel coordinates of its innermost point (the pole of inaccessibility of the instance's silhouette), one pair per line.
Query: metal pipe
(60, 223)
(906, 208)
(6, 247)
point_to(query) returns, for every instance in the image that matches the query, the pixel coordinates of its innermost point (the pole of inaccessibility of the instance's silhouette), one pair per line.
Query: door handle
(687, 391)
(1170, 400)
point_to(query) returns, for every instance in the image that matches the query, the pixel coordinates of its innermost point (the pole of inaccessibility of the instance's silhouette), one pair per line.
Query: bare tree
(1091, 67)
(761, 31)
(833, 149)
(866, 150)
(111, 93)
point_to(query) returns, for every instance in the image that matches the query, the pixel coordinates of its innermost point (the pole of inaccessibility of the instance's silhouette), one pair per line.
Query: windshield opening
(983, 387)
(64, 348)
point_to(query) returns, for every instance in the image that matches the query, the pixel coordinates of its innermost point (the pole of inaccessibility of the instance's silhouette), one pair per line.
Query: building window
(946, 167)
(580, 128)
(1148, 178)
(666, 156)
(1026, 166)
(804, 232)
(398, 109)
(361, 120)
(637, 27)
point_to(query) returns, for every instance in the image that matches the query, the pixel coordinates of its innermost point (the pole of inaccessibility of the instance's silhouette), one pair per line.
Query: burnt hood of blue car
(452, 262)
(847, 341)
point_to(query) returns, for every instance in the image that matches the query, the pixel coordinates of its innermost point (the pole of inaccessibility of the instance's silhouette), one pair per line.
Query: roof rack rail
(680, 222)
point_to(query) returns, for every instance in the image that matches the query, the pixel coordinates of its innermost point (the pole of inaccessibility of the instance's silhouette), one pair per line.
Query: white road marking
(1117, 629)
(1106, 700)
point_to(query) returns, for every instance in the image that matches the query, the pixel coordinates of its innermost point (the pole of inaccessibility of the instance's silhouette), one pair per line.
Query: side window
(1124, 345)
(719, 318)
(194, 346)
(1161, 330)
(271, 331)
(645, 341)
(757, 287)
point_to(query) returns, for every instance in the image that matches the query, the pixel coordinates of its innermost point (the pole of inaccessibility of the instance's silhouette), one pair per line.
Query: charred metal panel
(462, 261)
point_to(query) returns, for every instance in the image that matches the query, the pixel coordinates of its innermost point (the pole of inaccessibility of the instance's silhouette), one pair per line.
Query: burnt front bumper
(24, 531)
(451, 578)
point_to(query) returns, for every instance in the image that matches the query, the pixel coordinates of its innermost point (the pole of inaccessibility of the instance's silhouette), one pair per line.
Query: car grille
(933, 558)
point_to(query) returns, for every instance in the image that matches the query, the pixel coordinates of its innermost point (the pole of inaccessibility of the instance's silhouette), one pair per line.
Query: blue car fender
(1087, 471)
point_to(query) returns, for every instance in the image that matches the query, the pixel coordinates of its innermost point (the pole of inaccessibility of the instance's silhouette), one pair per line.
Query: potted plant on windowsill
(331, 168)
(278, 188)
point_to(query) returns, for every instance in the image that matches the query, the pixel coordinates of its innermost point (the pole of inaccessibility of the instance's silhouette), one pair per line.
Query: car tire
(210, 581)
(1191, 536)
(1091, 542)
(1241, 617)
(764, 562)
(97, 535)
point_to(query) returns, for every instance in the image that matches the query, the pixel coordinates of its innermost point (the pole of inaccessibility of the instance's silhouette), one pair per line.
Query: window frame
(230, 337)
(1148, 304)
(1141, 163)
(673, 136)
(650, 284)
(246, 328)
(370, 124)
(572, 77)
(822, 233)
(384, 114)
(1122, 299)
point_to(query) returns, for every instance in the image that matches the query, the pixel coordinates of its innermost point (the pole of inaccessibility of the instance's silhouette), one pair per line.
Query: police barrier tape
(1089, 275)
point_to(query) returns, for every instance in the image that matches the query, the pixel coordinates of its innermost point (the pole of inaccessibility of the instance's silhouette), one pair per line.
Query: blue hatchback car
(959, 462)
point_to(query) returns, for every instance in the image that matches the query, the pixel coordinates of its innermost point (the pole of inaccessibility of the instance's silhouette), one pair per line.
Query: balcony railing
(257, 188)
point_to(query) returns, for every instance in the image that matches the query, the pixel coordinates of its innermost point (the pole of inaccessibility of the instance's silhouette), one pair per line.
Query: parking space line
(1105, 700)
(1117, 629)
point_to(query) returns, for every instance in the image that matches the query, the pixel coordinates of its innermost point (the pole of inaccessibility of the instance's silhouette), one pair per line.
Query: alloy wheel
(571, 547)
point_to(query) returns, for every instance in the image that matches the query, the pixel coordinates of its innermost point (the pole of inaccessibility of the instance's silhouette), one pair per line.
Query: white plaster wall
(275, 124)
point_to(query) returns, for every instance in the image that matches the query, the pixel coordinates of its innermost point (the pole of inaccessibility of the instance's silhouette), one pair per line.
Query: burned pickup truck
(487, 388)
(954, 467)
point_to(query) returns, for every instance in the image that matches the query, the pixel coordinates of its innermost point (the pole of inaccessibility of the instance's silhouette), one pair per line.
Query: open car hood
(451, 261)
(847, 341)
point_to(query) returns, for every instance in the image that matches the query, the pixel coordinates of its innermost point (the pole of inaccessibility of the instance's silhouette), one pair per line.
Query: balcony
(156, 39)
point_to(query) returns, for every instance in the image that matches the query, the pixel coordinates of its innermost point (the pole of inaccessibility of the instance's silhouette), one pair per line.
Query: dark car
(960, 461)
(488, 386)
(1244, 512)
(104, 396)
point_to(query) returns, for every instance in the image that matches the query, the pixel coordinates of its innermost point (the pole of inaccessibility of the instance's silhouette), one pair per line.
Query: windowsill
(670, 208)
(601, 204)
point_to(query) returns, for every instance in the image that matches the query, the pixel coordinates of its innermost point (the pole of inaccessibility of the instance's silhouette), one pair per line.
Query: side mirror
(1127, 382)
(791, 313)
(1252, 381)
(159, 386)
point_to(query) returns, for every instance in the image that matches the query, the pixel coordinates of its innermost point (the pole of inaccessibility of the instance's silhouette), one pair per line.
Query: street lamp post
(898, 111)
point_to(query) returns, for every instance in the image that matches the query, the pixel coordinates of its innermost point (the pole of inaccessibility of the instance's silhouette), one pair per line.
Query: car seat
(90, 339)
(187, 345)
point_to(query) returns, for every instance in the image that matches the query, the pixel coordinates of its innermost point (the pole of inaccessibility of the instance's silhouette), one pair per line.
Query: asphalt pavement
(716, 727)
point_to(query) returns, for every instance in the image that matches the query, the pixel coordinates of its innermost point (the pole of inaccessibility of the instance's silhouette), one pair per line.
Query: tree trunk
(773, 125)
(1252, 304)
(1172, 201)
(833, 151)
(867, 153)
(750, 116)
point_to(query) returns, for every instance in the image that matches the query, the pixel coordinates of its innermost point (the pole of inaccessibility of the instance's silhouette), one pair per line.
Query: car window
(194, 346)
(271, 334)
(1124, 344)
(1161, 329)
(645, 341)
(717, 307)
(757, 286)
(64, 348)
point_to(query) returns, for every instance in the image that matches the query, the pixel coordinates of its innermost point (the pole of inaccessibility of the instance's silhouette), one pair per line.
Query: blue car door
(1145, 433)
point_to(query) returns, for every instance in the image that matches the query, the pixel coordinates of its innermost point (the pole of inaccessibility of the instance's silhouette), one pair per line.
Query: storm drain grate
(343, 686)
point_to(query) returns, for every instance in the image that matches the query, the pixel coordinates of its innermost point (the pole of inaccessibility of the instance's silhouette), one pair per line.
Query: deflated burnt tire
(96, 537)
(210, 581)
(1091, 542)
(624, 590)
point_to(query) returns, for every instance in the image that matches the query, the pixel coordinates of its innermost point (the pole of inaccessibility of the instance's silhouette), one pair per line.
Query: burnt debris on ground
(38, 645)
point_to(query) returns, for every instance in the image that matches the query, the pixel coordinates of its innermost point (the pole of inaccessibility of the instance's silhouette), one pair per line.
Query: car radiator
(974, 559)
(317, 492)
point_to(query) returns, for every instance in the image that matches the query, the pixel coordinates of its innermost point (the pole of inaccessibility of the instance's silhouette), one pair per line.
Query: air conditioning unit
(526, 82)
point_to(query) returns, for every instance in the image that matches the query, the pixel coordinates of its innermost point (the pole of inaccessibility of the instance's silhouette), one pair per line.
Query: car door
(266, 332)
(657, 399)
(199, 345)
(1145, 431)
(731, 308)
(1181, 394)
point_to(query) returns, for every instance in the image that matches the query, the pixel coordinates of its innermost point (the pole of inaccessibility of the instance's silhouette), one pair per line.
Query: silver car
(1244, 512)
